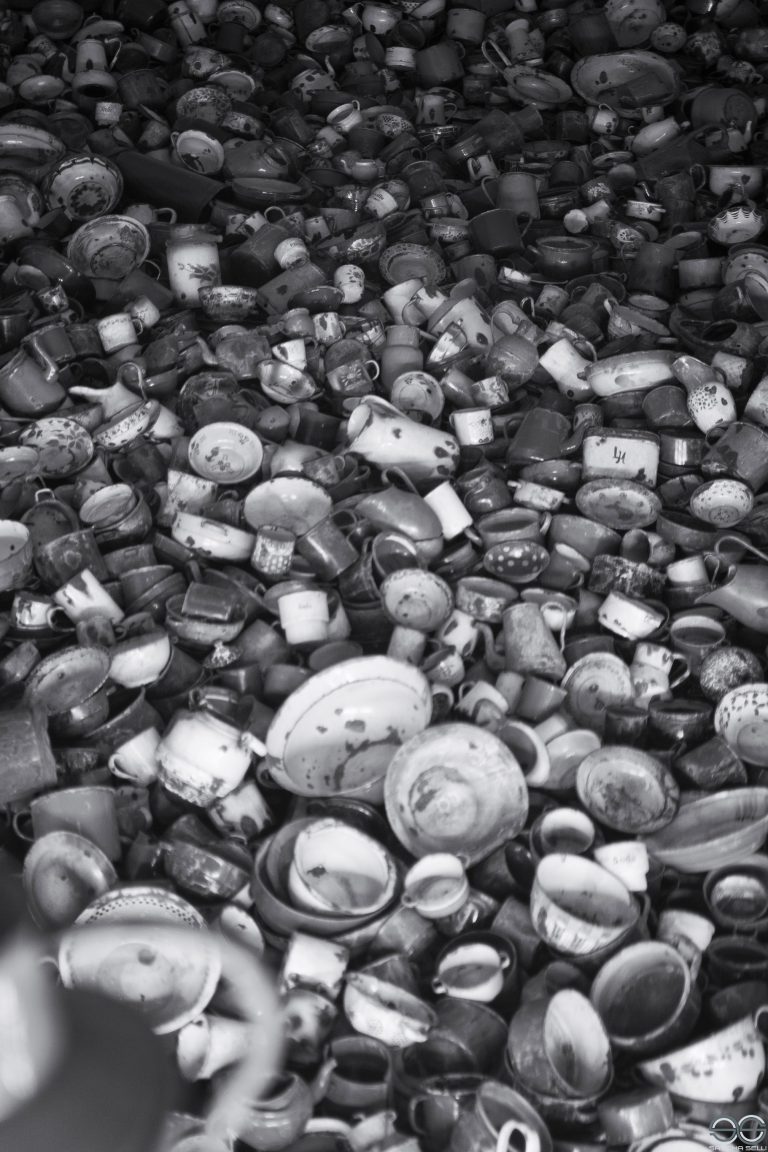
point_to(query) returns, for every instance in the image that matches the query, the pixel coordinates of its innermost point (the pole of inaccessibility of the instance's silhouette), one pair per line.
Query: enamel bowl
(577, 907)
(741, 719)
(415, 598)
(27, 150)
(272, 900)
(720, 828)
(377, 1008)
(339, 870)
(63, 873)
(63, 446)
(600, 79)
(226, 453)
(292, 502)
(729, 1063)
(228, 303)
(338, 732)
(627, 789)
(455, 788)
(84, 187)
(109, 247)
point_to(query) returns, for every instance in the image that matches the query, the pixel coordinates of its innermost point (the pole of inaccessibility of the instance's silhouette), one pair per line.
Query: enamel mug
(119, 330)
(472, 426)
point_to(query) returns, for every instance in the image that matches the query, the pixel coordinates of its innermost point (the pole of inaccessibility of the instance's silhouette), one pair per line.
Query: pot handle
(390, 475)
(761, 1024)
(486, 180)
(564, 623)
(495, 56)
(23, 833)
(531, 1138)
(744, 544)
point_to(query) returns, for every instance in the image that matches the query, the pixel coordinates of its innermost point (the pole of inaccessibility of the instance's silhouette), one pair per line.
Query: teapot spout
(113, 400)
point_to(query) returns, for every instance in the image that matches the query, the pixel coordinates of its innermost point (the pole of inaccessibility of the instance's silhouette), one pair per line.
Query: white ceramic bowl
(721, 828)
(293, 502)
(455, 788)
(382, 1010)
(577, 907)
(340, 870)
(225, 452)
(436, 886)
(728, 1063)
(741, 718)
(336, 734)
(627, 789)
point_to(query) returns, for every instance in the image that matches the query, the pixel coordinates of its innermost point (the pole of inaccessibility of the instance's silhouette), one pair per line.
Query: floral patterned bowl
(84, 186)
(63, 445)
(109, 247)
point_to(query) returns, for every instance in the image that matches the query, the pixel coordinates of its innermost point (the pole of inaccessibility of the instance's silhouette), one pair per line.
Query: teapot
(279, 1117)
(405, 511)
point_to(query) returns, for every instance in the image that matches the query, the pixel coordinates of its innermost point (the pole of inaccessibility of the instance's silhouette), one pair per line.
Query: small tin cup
(273, 551)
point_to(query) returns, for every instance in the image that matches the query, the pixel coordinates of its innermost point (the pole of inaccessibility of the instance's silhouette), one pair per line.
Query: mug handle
(373, 368)
(253, 744)
(483, 183)
(699, 175)
(684, 674)
(114, 766)
(263, 774)
(507, 1130)
(564, 625)
(495, 56)
(16, 824)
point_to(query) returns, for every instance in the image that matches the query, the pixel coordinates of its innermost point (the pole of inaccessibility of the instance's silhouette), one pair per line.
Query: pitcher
(473, 321)
(744, 591)
(384, 436)
(28, 387)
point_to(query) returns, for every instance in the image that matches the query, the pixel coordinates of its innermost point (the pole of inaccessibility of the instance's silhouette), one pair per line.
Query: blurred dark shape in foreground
(78, 1072)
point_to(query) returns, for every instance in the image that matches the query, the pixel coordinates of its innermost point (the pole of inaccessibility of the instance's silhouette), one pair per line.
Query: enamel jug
(744, 591)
